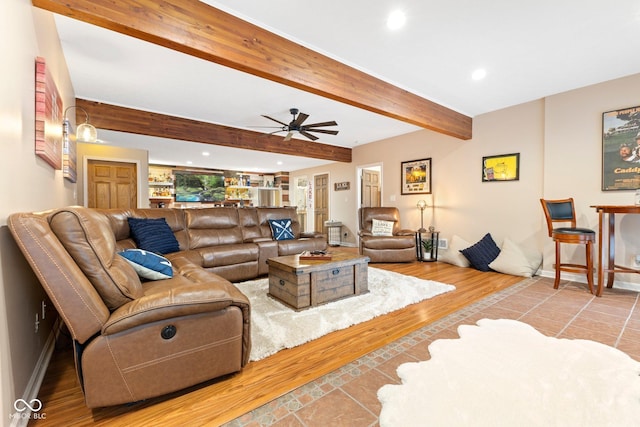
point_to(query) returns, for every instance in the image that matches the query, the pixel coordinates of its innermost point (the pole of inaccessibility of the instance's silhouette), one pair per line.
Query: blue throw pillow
(153, 235)
(281, 229)
(147, 264)
(482, 253)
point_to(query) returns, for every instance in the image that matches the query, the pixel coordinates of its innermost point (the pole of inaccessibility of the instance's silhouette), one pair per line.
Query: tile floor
(347, 397)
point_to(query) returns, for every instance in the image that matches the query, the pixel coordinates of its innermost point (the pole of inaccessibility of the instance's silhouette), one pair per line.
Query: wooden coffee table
(302, 284)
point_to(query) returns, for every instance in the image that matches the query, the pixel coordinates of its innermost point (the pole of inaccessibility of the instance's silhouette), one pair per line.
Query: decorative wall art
(416, 176)
(621, 149)
(69, 155)
(48, 138)
(339, 186)
(504, 167)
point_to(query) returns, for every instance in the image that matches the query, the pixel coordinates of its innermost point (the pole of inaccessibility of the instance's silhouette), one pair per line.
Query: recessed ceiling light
(205, 153)
(396, 20)
(279, 162)
(479, 74)
(189, 162)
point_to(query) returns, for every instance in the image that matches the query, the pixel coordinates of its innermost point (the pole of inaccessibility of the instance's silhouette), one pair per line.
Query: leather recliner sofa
(399, 246)
(136, 339)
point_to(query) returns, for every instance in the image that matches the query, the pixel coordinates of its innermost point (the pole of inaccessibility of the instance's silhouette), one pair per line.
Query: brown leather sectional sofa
(140, 339)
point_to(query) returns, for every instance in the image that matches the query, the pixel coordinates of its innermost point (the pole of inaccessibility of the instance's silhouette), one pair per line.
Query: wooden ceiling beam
(129, 120)
(197, 29)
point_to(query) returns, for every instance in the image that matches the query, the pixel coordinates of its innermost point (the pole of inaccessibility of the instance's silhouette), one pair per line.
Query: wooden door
(370, 188)
(320, 201)
(111, 185)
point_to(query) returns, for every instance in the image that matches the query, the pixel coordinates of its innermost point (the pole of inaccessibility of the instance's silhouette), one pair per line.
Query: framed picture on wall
(621, 149)
(416, 177)
(504, 167)
(48, 138)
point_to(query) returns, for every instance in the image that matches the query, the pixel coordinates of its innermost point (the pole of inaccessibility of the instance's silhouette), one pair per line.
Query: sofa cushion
(265, 214)
(453, 254)
(481, 254)
(381, 228)
(281, 229)
(148, 264)
(516, 261)
(153, 235)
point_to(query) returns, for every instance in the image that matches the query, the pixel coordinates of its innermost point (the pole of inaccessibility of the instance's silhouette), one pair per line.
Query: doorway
(320, 201)
(370, 186)
(112, 185)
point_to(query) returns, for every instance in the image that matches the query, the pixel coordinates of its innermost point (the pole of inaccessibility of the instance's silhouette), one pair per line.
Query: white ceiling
(529, 50)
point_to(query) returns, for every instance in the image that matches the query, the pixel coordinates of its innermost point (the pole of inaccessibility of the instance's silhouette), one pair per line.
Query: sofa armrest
(173, 301)
(311, 234)
(405, 232)
(363, 233)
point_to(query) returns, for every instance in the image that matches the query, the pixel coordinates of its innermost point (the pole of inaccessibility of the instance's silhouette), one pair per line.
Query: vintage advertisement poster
(621, 149)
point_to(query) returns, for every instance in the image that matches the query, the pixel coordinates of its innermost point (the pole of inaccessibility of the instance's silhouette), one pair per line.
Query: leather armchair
(399, 247)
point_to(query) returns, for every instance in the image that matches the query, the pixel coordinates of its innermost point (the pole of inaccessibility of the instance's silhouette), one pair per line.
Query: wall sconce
(85, 132)
(421, 205)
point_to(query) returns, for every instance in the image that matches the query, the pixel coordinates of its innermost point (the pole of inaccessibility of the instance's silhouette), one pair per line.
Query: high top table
(611, 267)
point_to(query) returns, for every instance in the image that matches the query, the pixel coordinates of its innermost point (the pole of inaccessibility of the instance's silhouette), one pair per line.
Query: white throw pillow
(453, 255)
(381, 228)
(516, 260)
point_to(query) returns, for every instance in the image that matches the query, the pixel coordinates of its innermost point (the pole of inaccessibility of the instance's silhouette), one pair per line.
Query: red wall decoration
(48, 117)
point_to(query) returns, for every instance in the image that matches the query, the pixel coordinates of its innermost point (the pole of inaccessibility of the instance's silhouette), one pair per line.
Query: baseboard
(21, 419)
(580, 278)
(348, 245)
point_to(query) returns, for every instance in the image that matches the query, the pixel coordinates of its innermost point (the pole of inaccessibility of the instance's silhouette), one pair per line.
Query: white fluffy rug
(275, 326)
(505, 373)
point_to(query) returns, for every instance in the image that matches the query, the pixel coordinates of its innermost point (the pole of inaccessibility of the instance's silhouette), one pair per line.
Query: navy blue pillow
(153, 235)
(482, 253)
(281, 229)
(147, 264)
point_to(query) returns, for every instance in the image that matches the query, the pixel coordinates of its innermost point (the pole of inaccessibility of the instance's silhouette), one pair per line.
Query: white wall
(28, 184)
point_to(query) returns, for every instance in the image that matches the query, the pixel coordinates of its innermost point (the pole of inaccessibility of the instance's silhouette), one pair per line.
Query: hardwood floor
(219, 401)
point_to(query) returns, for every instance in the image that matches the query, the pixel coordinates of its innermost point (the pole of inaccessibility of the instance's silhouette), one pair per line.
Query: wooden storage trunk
(302, 284)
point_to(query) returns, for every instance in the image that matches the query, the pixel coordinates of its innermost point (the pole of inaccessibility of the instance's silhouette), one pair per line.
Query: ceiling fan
(296, 126)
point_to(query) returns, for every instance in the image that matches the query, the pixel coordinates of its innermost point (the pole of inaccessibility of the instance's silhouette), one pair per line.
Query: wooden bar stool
(563, 211)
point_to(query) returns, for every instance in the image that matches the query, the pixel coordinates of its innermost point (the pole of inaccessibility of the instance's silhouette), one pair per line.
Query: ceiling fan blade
(300, 119)
(288, 137)
(317, 125)
(308, 135)
(277, 121)
(330, 132)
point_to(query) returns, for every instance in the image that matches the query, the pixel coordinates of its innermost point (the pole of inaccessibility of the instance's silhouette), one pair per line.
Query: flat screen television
(198, 187)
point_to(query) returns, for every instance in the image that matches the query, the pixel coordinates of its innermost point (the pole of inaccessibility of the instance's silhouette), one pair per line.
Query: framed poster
(621, 149)
(48, 117)
(416, 176)
(504, 167)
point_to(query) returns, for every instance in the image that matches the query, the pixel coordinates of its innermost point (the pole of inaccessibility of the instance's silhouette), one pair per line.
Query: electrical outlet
(44, 309)
(638, 260)
(443, 243)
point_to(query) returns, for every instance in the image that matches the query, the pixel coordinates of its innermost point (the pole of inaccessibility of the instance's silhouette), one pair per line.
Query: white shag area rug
(275, 326)
(506, 373)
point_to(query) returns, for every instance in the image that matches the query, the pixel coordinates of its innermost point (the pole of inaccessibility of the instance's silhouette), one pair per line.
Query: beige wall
(559, 141)
(28, 184)
(573, 157)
